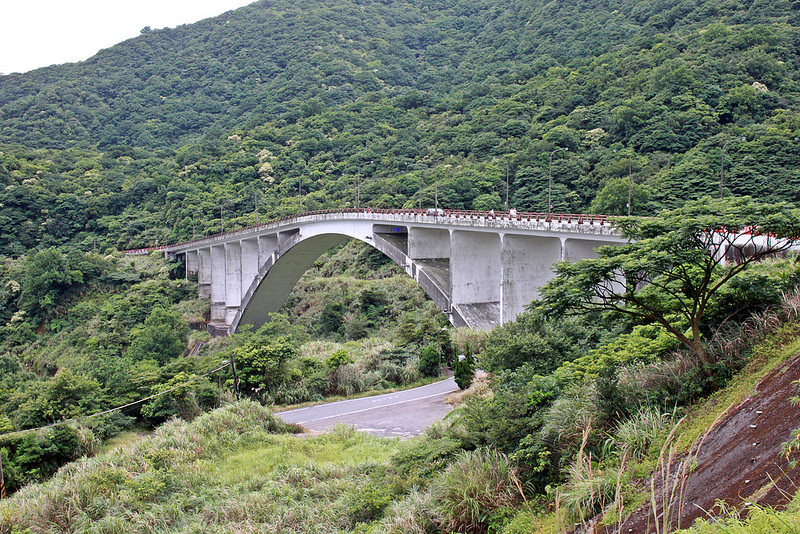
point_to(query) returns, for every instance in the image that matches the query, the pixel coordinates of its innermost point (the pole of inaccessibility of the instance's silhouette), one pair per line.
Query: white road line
(373, 408)
(376, 398)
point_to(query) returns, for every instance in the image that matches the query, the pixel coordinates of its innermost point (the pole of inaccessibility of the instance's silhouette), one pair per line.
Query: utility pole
(2, 478)
(235, 378)
(550, 182)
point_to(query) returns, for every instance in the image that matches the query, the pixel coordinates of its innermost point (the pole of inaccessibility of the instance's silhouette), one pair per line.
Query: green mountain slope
(192, 130)
(265, 61)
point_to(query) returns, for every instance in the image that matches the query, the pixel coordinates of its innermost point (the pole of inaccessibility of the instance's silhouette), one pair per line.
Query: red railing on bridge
(430, 212)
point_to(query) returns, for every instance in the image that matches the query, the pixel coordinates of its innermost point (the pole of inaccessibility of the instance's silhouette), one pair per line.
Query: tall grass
(636, 435)
(588, 487)
(474, 487)
(228, 471)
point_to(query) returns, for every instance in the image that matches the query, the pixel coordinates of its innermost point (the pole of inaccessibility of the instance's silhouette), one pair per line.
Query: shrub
(429, 361)
(162, 338)
(464, 371)
(263, 366)
(337, 359)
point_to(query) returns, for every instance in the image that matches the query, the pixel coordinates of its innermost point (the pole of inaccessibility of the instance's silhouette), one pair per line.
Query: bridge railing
(511, 215)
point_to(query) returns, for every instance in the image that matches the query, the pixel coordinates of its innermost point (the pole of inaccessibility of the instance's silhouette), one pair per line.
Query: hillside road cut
(399, 414)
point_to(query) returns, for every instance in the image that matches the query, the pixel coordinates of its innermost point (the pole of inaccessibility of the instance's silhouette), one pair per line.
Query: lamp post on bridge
(194, 223)
(722, 163)
(418, 166)
(299, 195)
(550, 182)
(255, 192)
(358, 183)
(630, 182)
(506, 161)
(223, 207)
(436, 180)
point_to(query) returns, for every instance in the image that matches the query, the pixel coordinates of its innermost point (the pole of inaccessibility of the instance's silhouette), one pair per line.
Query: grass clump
(636, 435)
(473, 490)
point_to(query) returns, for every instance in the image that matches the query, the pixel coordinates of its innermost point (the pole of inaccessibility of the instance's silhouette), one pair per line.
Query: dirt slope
(740, 461)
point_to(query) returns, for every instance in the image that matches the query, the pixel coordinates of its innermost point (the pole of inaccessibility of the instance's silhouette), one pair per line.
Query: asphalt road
(400, 414)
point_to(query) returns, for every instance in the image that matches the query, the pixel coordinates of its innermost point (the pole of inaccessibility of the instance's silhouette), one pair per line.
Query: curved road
(401, 414)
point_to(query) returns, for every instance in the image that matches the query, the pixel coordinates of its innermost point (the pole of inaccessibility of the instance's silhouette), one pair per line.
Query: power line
(134, 403)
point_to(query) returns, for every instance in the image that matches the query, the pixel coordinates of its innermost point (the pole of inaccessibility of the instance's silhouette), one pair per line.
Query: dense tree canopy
(675, 264)
(187, 131)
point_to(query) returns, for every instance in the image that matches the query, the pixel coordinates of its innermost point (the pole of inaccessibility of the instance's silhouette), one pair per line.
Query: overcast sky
(38, 33)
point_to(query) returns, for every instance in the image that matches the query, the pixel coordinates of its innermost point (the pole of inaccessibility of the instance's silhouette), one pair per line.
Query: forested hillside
(191, 130)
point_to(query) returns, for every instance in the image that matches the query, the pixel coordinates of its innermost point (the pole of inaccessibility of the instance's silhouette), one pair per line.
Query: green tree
(464, 370)
(674, 264)
(613, 197)
(262, 365)
(64, 396)
(429, 361)
(162, 338)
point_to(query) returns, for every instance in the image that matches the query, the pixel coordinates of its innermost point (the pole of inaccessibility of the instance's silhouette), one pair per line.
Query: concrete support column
(267, 244)
(428, 243)
(191, 262)
(476, 276)
(250, 263)
(204, 273)
(233, 280)
(287, 235)
(527, 264)
(580, 249)
(218, 281)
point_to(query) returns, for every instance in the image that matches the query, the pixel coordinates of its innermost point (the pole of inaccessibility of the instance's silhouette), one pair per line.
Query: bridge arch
(282, 270)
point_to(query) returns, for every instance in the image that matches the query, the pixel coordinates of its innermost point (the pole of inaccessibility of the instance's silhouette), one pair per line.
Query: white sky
(38, 33)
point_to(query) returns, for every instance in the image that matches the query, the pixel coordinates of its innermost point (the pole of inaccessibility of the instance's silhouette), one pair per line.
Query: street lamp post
(358, 183)
(255, 202)
(299, 195)
(722, 163)
(436, 180)
(418, 166)
(630, 185)
(506, 186)
(550, 182)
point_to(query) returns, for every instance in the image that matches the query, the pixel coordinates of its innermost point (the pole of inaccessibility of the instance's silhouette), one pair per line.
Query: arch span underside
(281, 272)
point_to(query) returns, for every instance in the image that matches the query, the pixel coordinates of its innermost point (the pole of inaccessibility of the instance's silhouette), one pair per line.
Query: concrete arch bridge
(480, 268)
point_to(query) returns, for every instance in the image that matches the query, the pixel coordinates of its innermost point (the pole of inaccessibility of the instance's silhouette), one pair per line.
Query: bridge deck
(512, 218)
